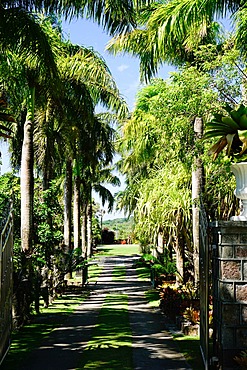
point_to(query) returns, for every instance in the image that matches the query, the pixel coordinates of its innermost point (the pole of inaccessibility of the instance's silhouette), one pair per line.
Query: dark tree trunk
(84, 230)
(89, 227)
(77, 212)
(197, 179)
(67, 206)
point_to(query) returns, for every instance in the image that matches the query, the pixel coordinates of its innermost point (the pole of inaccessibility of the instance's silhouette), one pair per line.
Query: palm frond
(88, 67)
(114, 15)
(105, 195)
(21, 32)
(169, 33)
(240, 19)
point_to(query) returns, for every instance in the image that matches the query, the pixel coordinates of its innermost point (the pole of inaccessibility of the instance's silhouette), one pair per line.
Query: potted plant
(231, 128)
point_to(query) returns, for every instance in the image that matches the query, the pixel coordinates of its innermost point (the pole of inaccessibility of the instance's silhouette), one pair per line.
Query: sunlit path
(113, 328)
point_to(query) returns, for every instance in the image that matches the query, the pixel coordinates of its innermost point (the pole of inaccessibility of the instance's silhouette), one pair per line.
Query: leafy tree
(48, 221)
(158, 151)
(84, 84)
(173, 32)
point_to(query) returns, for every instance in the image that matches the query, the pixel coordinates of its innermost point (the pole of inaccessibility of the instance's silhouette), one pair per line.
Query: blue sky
(125, 70)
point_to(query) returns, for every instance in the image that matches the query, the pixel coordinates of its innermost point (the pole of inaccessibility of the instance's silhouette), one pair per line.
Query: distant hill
(122, 227)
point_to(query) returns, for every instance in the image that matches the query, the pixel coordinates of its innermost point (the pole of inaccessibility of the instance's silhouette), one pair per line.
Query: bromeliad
(232, 130)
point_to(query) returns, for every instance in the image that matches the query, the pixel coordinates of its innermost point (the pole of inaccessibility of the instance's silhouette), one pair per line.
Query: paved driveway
(153, 347)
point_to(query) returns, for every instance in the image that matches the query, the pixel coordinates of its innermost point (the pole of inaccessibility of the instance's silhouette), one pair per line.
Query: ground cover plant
(94, 270)
(119, 272)
(119, 250)
(30, 336)
(143, 273)
(110, 346)
(153, 298)
(190, 347)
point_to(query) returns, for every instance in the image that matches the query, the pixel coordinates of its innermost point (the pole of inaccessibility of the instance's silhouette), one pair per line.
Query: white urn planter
(240, 172)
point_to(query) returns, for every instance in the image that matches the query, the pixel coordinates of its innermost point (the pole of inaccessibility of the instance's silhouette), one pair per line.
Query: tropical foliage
(49, 90)
(52, 89)
(122, 227)
(158, 150)
(182, 33)
(232, 129)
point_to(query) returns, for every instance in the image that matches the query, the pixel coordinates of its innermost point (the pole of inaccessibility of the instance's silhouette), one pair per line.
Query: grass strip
(119, 273)
(110, 346)
(31, 336)
(153, 297)
(94, 270)
(190, 347)
(119, 250)
(143, 273)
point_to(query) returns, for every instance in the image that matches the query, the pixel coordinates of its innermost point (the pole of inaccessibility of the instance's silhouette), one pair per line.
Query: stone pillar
(229, 244)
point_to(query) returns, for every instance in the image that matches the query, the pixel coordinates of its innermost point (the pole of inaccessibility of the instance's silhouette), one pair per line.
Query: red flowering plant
(171, 300)
(180, 301)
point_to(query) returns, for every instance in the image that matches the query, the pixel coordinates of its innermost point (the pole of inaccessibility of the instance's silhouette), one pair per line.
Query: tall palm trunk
(84, 230)
(68, 206)
(179, 248)
(67, 215)
(48, 172)
(27, 182)
(48, 162)
(197, 176)
(89, 226)
(76, 217)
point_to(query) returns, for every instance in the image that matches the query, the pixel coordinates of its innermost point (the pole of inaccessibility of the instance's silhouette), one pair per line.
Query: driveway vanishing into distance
(114, 328)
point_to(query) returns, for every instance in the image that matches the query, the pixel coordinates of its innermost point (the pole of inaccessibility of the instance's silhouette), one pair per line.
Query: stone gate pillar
(229, 248)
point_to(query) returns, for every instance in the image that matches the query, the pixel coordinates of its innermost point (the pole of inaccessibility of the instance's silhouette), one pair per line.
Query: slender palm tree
(67, 122)
(68, 205)
(94, 139)
(96, 151)
(99, 182)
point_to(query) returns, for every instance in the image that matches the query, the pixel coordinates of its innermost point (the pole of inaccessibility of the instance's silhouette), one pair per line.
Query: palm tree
(100, 178)
(117, 16)
(86, 80)
(68, 205)
(96, 151)
(164, 37)
(36, 75)
(169, 32)
(27, 37)
(5, 117)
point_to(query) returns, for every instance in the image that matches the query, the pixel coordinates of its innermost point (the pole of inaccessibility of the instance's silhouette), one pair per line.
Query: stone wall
(229, 244)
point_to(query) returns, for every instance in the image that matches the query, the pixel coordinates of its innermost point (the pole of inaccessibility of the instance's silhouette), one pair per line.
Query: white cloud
(122, 68)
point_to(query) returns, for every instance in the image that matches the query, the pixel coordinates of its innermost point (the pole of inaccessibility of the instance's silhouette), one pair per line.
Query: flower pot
(240, 172)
